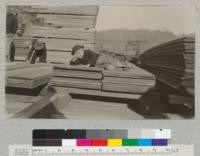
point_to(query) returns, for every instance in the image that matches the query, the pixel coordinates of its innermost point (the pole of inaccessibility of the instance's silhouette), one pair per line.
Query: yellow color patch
(114, 142)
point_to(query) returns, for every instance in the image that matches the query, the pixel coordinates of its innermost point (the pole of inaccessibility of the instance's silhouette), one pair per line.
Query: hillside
(116, 39)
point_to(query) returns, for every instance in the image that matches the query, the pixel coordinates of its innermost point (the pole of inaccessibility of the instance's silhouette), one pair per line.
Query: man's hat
(75, 48)
(38, 46)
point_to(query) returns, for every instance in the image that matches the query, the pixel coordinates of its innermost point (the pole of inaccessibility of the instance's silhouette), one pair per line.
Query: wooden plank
(187, 58)
(172, 82)
(21, 52)
(65, 33)
(22, 83)
(28, 77)
(35, 107)
(135, 73)
(75, 84)
(78, 68)
(125, 88)
(182, 41)
(64, 10)
(30, 73)
(175, 70)
(13, 107)
(66, 44)
(14, 66)
(75, 80)
(20, 98)
(70, 21)
(55, 44)
(164, 51)
(97, 76)
(22, 42)
(97, 93)
(59, 57)
(16, 103)
(128, 81)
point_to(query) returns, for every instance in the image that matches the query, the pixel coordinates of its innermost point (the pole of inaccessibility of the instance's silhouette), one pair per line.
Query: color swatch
(99, 142)
(110, 138)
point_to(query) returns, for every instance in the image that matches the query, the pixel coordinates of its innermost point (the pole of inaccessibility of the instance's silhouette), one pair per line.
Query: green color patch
(130, 142)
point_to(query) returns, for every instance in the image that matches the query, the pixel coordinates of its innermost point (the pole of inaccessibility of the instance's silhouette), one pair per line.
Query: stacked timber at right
(173, 65)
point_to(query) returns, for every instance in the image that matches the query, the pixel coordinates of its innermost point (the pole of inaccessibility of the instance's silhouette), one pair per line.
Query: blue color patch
(145, 142)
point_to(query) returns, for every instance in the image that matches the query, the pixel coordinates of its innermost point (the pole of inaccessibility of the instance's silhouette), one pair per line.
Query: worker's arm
(45, 54)
(75, 61)
(30, 53)
(92, 59)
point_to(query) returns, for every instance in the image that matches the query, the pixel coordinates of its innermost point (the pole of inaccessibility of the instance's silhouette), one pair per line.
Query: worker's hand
(110, 67)
(75, 58)
(88, 65)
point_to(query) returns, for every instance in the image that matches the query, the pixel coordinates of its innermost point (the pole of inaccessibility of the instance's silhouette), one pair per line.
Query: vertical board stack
(173, 64)
(60, 28)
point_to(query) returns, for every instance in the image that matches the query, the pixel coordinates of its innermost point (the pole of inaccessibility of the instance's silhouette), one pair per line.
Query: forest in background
(119, 40)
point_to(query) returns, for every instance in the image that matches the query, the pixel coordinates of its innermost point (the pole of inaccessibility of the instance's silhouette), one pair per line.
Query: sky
(179, 20)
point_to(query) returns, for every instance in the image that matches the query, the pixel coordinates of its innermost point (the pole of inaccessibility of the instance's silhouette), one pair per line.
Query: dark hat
(75, 48)
(38, 46)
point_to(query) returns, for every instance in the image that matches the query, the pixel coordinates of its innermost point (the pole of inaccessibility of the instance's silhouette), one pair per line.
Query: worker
(37, 50)
(83, 57)
(11, 29)
(101, 60)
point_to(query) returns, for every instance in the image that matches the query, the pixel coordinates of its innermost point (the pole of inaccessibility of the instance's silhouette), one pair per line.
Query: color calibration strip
(99, 142)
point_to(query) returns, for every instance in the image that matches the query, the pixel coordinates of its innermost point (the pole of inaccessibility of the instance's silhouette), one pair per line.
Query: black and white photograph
(89, 62)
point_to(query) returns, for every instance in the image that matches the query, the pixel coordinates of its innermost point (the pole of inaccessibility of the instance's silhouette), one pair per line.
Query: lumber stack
(60, 28)
(28, 77)
(24, 83)
(76, 77)
(173, 63)
(136, 81)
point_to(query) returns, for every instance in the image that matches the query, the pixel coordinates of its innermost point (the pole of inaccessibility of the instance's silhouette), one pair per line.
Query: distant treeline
(119, 40)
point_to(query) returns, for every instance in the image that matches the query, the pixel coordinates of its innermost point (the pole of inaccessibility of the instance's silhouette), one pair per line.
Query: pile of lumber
(60, 28)
(24, 83)
(173, 64)
(28, 76)
(135, 81)
(76, 77)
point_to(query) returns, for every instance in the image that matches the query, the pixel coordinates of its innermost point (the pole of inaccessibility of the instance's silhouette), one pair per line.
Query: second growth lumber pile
(173, 64)
(24, 84)
(135, 81)
(76, 77)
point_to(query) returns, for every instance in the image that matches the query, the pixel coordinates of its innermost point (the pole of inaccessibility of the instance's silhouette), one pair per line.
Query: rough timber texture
(173, 64)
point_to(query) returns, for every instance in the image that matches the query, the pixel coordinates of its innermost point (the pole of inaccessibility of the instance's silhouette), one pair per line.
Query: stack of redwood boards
(24, 83)
(173, 64)
(76, 77)
(28, 76)
(136, 81)
(60, 27)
